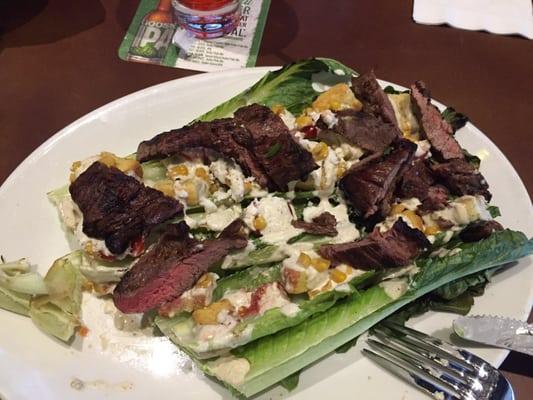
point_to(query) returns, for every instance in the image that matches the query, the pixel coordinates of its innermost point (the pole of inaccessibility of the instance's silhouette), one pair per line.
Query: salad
(277, 227)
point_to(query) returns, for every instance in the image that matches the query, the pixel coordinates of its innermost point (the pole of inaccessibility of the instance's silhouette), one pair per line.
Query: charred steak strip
(462, 178)
(369, 185)
(418, 182)
(437, 130)
(117, 208)
(395, 248)
(479, 230)
(172, 266)
(277, 152)
(223, 136)
(375, 101)
(325, 224)
(365, 130)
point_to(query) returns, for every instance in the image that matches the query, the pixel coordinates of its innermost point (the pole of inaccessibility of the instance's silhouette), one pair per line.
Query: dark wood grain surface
(58, 61)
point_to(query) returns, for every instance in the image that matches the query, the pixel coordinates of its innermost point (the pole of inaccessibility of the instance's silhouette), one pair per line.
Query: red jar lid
(204, 5)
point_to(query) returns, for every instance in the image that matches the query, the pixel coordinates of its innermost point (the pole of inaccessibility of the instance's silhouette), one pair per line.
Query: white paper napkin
(496, 16)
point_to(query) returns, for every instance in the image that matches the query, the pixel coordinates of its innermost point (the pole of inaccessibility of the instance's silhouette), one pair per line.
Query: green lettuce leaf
(58, 313)
(277, 356)
(290, 86)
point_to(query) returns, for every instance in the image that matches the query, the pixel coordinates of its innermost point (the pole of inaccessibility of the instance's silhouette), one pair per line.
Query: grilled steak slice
(418, 181)
(172, 266)
(325, 224)
(223, 136)
(436, 129)
(117, 208)
(462, 178)
(375, 101)
(479, 230)
(281, 157)
(394, 248)
(365, 130)
(369, 185)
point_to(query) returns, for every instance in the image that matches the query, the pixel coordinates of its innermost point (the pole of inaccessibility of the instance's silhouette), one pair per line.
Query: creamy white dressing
(347, 231)
(289, 119)
(229, 173)
(222, 217)
(408, 270)
(239, 298)
(240, 256)
(273, 297)
(69, 212)
(394, 288)
(278, 214)
(461, 211)
(230, 369)
(423, 149)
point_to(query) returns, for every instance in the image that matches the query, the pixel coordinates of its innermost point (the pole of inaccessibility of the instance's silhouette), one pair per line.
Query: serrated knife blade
(502, 332)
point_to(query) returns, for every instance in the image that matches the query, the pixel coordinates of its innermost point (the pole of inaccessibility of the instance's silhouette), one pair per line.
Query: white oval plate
(113, 364)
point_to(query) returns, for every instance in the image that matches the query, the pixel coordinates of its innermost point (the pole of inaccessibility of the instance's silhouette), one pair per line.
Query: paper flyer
(153, 32)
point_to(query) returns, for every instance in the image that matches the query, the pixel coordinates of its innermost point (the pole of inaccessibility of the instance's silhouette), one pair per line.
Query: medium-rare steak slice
(365, 130)
(479, 230)
(435, 128)
(223, 136)
(394, 248)
(172, 266)
(117, 208)
(324, 224)
(281, 157)
(369, 185)
(418, 182)
(375, 101)
(462, 178)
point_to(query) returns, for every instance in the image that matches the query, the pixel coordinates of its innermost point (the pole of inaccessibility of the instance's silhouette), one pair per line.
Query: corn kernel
(320, 264)
(192, 193)
(325, 288)
(108, 159)
(126, 164)
(320, 151)
(204, 281)
(397, 209)
(337, 276)
(89, 248)
(166, 186)
(304, 259)
(341, 170)
(303, 120)
(277, 109)
(247, 187)
(431, 230)
(178, 170)
(260, 223)
(201, 173)
(415, 220)
(75, 165)
(208, 315)
(336, 98)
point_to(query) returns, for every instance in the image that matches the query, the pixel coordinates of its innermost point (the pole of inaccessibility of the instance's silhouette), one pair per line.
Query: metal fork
(438, 368)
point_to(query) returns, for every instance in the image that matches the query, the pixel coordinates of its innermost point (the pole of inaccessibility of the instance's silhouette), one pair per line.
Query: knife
(502, 332)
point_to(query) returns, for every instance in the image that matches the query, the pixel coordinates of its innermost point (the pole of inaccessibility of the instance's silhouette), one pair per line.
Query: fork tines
(437, 367)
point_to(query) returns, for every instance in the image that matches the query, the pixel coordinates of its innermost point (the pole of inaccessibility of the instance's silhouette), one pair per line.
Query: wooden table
(58, 61)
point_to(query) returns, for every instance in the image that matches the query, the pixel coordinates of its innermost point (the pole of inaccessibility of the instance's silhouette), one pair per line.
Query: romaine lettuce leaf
(277, 356)
(58, 313)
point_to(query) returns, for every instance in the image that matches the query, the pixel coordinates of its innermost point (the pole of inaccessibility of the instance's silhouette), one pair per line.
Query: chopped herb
(494, 211)
(276, 147)
(472, 159)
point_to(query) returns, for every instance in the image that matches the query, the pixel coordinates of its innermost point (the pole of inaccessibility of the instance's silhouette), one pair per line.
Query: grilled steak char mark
(394, 248)
(281, 157)
(324, 224)
(369, 185)
(375, 101)
(117, 208)
(365, 130)
(257, 139)
(172, 266)
(479, 230)
(435, 128)
(418, 181)
(222, 136)
(462, 178)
